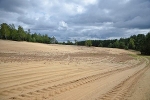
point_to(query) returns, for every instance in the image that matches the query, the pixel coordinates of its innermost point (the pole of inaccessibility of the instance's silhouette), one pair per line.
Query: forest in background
(138, 42)
(9, 32)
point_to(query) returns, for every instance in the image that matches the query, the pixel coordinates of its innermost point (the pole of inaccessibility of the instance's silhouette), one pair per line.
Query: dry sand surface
(34, 71)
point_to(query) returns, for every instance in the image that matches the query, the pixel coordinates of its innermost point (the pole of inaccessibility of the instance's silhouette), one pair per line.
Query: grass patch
(134, 56)
(146, 57)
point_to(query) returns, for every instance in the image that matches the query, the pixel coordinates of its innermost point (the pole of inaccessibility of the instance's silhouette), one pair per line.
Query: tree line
(9, 32)
(138, 42)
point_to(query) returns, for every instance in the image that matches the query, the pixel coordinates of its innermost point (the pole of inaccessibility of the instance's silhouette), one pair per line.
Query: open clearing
(34, 71)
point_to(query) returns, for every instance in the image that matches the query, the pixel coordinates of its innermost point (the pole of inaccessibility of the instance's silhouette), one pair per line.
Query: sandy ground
(34, 71)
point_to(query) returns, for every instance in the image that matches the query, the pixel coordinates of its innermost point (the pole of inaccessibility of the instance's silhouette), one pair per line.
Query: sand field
(35, 71)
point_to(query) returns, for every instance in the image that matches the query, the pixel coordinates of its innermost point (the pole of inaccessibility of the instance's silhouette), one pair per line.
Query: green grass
(134, 56)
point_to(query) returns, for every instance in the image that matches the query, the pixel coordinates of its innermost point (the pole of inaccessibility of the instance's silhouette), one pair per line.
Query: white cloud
(80, 9)
(107, 11)
(124, 1)
(88, 2)
(63, 25)
(73, 9)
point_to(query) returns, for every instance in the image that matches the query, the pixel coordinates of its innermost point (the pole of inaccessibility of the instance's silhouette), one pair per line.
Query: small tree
(131, 44)
(76, 42)
(21, 33)
(88, 43)
(116, 44)
(53, 40)
(122, 45)
(110, 45)
(100, 45)
(5, 31)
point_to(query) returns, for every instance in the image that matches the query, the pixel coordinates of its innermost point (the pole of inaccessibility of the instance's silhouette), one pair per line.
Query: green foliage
(5, 31)
(110, 45)
(69, 43)
(146, 46)
(81, 43)
(122, 45)
(100, 45)
(138, 42)
(9, 32)
(13, 32)
(88, 43)
(131, 44)
(116, 44)
(53, 40)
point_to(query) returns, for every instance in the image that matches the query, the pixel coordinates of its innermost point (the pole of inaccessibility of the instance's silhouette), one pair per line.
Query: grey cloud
(78, 19)
(16, 6)
(26, 20)
(137, 22)
(133, 14)
(92, 15)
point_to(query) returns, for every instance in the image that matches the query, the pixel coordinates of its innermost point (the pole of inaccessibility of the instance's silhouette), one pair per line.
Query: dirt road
(34, 71)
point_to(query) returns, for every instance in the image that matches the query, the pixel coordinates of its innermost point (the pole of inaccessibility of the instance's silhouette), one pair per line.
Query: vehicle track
(122, 89)
(32, 71)
(57, 89)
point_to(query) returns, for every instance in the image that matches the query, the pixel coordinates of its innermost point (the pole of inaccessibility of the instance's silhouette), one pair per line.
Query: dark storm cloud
(79, 19)
(134, 15)
(16, 6)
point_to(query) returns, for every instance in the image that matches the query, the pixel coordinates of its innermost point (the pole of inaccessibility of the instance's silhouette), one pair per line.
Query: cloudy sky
(78, 19)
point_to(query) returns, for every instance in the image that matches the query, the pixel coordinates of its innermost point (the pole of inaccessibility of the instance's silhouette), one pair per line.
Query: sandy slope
(34, 71)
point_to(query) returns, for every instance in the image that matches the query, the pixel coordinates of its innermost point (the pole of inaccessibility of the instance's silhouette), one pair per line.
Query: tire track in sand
(122, 89)
(60, 88)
